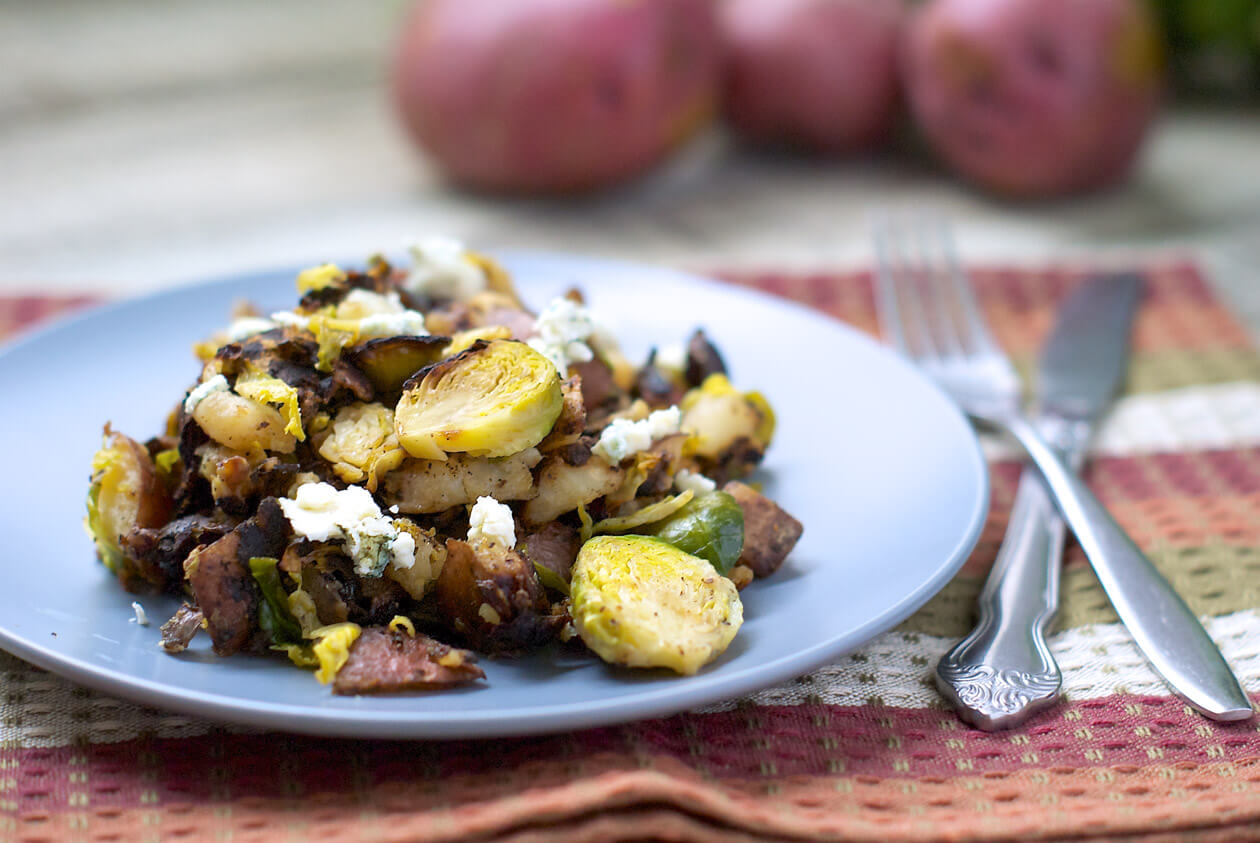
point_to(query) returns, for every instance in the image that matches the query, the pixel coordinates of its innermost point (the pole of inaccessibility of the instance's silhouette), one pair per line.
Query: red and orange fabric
(863, 749)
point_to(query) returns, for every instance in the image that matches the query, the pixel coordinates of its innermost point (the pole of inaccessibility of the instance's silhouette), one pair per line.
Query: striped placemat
(861, 750)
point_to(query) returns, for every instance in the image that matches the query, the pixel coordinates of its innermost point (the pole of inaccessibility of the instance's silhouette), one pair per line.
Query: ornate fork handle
(1003, 672)
(1162, 625)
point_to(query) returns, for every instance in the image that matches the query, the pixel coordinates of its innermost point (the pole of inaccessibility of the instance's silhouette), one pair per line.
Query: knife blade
(1003, 671)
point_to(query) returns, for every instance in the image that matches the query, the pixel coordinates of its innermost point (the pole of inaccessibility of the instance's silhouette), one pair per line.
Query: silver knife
(1003, 671)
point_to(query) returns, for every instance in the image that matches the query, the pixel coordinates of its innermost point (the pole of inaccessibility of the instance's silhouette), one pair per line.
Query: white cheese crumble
(320, 512)
(490, 520)
(623, 437)
(440, 268)
(561, 334)
(359, 303)
(248, 326)
(694, 481)
(141, 618)
(289, 319)
(672, 357)
(204, 390)
(409, 323)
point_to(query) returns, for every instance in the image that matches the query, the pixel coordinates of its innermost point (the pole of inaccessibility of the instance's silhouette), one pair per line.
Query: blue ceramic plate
(882, 469)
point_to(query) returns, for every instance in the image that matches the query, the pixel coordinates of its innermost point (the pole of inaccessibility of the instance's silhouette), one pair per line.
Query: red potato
(1032, 98)
(554, 96)
(821, 74)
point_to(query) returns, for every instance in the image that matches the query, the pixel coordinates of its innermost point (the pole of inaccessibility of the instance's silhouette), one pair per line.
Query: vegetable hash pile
(413, 457)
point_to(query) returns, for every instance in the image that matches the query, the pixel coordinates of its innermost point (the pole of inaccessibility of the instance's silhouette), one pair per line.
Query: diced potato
(243, 424)
(421, 486)
(563, 488)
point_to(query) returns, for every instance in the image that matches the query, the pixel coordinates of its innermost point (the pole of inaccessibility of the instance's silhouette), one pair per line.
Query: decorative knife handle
(1003, 672)
(1162, 625)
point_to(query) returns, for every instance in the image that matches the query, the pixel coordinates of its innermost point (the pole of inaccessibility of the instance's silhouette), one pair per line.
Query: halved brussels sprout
(711, 526)
(390, 361)
(640, 602)
(493, 400)
(361, 444)
(126, 492)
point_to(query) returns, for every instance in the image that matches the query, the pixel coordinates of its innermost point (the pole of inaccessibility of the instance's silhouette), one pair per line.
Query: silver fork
(928, 312)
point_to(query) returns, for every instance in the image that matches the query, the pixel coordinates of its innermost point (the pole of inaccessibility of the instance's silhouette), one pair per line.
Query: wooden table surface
(147, 144)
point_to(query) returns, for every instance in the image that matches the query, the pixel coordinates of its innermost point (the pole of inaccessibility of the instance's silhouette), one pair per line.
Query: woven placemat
(861, 750)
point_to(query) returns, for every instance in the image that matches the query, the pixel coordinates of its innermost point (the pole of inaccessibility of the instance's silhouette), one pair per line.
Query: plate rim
(554, 716)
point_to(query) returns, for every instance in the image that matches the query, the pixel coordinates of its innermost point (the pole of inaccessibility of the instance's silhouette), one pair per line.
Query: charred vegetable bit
(408, 458)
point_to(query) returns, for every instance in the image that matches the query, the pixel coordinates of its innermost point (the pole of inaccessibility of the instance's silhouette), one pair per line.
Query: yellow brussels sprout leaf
(302, 607)
(332, 648)
(167, 460)
(320, 277)
(658, 511)
(333, 335)
(640, 602)
(464, 339)
(493, 399)
(259, 386)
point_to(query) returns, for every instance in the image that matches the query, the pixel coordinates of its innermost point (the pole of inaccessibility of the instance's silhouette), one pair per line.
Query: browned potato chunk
(770, 533)
(492, 597)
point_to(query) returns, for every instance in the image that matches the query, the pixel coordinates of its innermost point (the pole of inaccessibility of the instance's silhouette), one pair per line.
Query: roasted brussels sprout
(361, 444)
(390, 361)
(125, 494)
(730, 429)
(492, 400)
(710, 526)
(640, 602)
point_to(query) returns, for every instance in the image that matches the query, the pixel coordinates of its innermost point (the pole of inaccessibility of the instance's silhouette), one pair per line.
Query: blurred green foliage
(1214, 46)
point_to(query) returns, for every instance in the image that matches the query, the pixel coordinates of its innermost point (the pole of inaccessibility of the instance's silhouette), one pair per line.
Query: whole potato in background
(555, 95)
(1034, 97)
(821, 74)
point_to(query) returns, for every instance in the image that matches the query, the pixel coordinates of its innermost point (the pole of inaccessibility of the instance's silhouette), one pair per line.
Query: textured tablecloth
(863, 749)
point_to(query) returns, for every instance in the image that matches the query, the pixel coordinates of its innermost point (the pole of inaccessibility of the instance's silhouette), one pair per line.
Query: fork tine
(888, 309)
(902, 296)
(978, 339)
(936, 272)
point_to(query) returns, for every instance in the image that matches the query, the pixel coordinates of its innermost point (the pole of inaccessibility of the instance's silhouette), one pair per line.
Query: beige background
(143, 144)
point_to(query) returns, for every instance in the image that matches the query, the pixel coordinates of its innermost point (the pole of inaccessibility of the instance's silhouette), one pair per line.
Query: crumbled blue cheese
(492, 521)
(623, 437)
(561, 334)
(381, 315)
(248, 326)
(672, 356)
(441, 268)
(409, 323)
(141, 618)
(320, 512)
(204, 390)
(694, 482)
